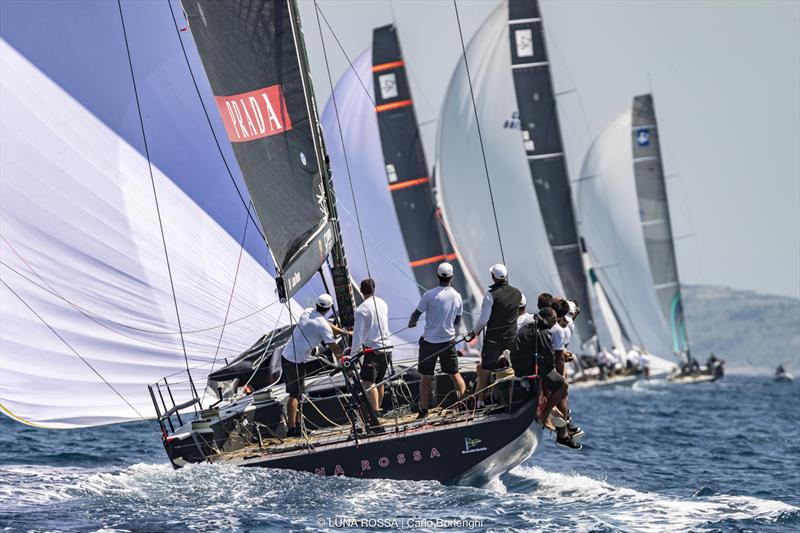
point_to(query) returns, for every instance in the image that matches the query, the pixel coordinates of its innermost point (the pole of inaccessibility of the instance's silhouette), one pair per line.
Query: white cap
(445, 270)
(572, 307)
(499, 271)
(325, 301)
(523, 302)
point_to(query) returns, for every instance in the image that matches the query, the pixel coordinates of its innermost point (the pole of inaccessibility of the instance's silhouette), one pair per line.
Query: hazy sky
(726, 80)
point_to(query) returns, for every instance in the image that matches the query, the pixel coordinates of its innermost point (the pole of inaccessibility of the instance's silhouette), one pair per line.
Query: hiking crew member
(371, 330)
(443, 308)
(551, 372)
(499, 312)
(312, 329)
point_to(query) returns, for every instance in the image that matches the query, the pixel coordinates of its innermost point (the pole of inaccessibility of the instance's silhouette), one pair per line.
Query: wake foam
(583, 497)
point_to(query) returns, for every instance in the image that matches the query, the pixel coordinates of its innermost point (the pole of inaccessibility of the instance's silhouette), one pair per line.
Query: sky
(726, 81)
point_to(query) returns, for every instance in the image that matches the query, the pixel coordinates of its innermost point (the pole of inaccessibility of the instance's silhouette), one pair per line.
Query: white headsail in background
(387, 260)
(461, 180)
(622, 190)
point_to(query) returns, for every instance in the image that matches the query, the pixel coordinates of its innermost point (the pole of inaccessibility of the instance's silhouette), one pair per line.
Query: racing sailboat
(623, 183)
(254, 57)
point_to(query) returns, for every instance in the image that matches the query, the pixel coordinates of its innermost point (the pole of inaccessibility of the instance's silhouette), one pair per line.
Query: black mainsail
(545, 151)
(426, 240)
(257, 72)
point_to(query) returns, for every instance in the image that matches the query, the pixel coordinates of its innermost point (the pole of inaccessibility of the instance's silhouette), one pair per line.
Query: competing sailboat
(635, 247)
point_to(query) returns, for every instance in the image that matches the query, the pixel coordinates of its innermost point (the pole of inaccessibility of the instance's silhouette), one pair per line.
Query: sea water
(657, 457)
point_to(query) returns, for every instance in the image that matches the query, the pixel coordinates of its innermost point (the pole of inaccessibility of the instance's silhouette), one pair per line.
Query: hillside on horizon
(752, 332)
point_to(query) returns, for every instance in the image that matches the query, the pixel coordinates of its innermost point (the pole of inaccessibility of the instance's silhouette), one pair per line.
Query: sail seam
(524, 21)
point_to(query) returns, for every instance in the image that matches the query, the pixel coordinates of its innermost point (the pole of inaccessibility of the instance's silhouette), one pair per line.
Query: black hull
(469, 453)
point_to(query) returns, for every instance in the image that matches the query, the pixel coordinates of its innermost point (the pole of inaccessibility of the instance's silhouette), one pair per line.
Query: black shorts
(444, 351)
(551, 385)
(294, 376)
(374, 365)
(490, 355)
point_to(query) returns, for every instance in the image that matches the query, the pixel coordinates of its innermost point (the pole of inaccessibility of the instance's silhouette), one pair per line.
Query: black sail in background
(651, 192)
(249, 54)
(545, 152)
(426, 241)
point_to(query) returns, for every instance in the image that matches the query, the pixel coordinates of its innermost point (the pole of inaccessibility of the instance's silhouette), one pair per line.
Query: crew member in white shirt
(443, 309)
(524, 316)
(371, 333)
(312, 329)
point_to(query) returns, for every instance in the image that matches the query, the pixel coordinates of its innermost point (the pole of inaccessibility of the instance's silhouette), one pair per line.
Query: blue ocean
(657, 457)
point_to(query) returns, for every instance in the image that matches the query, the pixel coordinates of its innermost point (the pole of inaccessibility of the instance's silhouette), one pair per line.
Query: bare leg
(458, 381)
(291, 411)
(380, 396)
(372, 393)
(483, 382)
(425, 390)
(554, 398)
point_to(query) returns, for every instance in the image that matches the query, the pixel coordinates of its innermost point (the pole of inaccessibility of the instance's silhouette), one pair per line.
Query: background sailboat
(622, 186)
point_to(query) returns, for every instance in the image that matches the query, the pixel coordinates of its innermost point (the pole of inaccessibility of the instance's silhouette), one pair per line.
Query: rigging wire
(79, 356)
(230, 299)
(211, 125)
(480, 136)
(155, 194)
(344, 153)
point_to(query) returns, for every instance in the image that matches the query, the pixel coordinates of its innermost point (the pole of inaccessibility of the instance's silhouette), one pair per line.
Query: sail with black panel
(254, 67)
(407, 170)
(541, 137)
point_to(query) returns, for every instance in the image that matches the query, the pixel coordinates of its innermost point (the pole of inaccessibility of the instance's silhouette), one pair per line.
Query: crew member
(551, 372)
(443, 309)
(524, 316)
(312, 329)
(499, 312)
(371, 331)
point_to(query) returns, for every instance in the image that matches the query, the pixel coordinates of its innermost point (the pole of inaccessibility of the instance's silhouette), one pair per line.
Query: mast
(651, 192)
(544, 149)
(339, 271)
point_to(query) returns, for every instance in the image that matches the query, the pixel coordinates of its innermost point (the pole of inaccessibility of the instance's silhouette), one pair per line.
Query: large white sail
(81, 246)
(461, 180)
(606, 195)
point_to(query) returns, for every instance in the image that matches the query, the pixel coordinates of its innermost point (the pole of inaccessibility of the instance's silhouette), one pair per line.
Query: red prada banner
(255, 114)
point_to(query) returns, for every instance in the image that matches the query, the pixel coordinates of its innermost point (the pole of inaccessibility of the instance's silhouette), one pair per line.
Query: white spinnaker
(383, 240)
(461, 180)
(606, 196)
(79, 220)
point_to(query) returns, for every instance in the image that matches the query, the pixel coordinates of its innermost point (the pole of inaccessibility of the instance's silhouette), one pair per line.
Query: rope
(68, 345)
(155, 194)
(480, 136)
